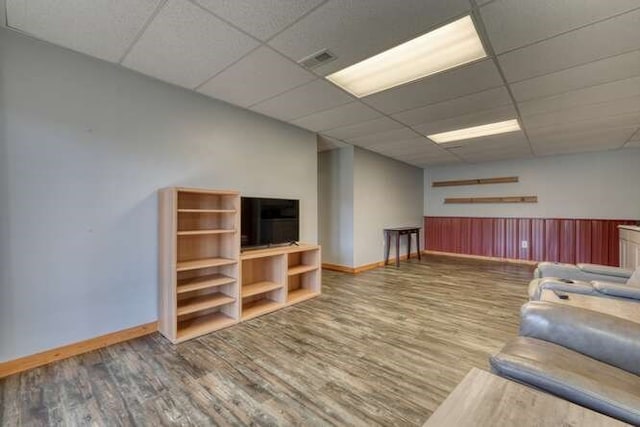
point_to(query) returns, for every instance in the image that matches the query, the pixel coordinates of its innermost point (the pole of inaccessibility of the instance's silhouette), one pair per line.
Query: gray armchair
(586, 357)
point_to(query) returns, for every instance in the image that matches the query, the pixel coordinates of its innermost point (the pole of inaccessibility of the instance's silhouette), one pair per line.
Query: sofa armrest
(609, 339)
(583, 272)
(536, 286)
(617, 290)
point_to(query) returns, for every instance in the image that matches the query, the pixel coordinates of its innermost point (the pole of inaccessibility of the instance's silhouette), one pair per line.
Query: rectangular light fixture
(476, 131)
(446, 47)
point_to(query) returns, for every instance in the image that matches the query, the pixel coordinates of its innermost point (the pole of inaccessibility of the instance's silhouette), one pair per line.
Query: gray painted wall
(359, 194)
(387, 193)
(335, 205)
(85, 146)
(590, 185)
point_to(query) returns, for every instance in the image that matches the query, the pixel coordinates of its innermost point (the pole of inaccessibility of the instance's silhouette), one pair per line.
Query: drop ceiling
(568, 70)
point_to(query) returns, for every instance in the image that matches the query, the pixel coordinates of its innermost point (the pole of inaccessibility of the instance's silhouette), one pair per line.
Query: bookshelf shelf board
(203, 302)
(259, 288)
(203, 282)
(204, 263)
(259, 307)
(192, 328)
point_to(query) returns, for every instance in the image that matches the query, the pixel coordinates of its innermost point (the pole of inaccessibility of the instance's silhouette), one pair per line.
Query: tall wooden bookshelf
(199, 261)
(205, 283)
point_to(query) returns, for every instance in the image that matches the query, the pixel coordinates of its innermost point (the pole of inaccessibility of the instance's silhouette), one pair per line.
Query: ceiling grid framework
(568, 71)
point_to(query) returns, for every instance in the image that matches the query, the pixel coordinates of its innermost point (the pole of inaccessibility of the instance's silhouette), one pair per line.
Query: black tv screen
(267, 222)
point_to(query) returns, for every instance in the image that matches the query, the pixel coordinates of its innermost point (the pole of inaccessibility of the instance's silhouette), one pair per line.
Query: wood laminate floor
(381, 348)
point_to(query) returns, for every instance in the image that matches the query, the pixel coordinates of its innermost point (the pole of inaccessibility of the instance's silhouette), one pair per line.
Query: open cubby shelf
(203, 302)
(207, 211)
(206, 283)
(204, 232)
(299, 269)
(204, 263)
(197, 326)
(300, 294)
(259, 307)
(203, 282)
(258, 288)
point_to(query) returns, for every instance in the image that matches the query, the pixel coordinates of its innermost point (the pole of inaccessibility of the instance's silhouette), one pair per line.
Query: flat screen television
(267, 222)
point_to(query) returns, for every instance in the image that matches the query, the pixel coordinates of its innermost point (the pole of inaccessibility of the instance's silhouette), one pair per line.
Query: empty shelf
(259, 288)
(203, 282)
(204, 232)
(203, 302)
(300, 295)
(298, 269)
(203, 263)
(191, 328)
(259, 307)
(207, 210)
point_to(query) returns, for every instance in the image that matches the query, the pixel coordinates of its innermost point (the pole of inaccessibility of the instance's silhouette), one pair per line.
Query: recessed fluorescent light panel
(446, 47)
(476, 131)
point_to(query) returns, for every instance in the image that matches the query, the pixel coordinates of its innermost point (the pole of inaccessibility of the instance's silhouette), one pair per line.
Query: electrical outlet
(524, 244)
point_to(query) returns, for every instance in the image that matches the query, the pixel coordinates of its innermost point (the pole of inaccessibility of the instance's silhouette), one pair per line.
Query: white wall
(85, 146)
(359, 194)
(387, 193)
(591, 185)
(335, 205)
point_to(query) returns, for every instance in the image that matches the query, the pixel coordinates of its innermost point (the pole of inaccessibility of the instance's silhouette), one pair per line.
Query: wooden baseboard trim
(482, 258)
(35, 360)
(365, 267)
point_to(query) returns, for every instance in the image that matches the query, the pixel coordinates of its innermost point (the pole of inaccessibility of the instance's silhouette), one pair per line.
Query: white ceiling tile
(567, 130)
(496, 156)
(101, 28)
(408, 146)
(318, 95)
(497, 147)
(384, 137)
(355, 30)
(258, 76)
(455, 107)
(633, 144)
(594, 73)
(263, 18)
(590, 95)
(584, 113)
(598, 141)
(366, 128)
(608, 38)
(506, 112)
(514, 23)
(636, 136)
(462, 81)
(344, 115)
(186, 45)
(584, 136)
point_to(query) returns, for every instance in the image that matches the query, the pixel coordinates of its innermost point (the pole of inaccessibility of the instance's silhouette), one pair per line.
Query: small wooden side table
(626, 309)
(397, 232)
(484, 399)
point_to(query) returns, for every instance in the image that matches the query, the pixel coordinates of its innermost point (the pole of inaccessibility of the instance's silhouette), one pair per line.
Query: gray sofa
(582, 272)
(588, 279)
(586, 357)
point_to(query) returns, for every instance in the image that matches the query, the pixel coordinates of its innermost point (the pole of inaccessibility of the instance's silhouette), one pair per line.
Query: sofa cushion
(617, 290)
(572, 376)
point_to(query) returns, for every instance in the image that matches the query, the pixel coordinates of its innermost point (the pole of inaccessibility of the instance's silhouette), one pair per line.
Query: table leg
(408, 246)
(418, 242)
(388, 248)
(398, 250)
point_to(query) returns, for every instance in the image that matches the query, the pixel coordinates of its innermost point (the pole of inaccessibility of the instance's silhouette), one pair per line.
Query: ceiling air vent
(318, 58)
